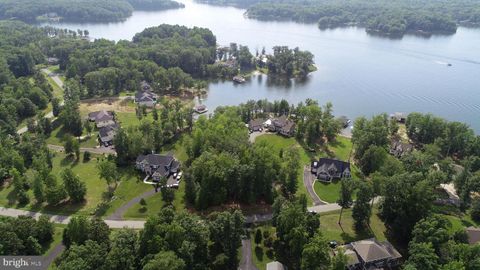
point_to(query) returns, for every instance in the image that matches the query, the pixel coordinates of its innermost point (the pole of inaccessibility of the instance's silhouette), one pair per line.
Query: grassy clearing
(58, 135)
(129, 119)
(278, 142)
(262, 254)
(347, 233)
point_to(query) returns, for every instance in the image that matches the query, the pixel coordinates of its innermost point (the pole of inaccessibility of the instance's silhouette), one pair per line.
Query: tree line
(379, 16)
(32, 11)
(169, 240)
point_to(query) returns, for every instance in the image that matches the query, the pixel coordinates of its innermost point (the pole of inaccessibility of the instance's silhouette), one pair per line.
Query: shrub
(258, 236)
(87, 156)
(142, 201)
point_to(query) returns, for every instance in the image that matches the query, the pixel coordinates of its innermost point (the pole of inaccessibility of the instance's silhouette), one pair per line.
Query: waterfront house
(282, 126)
(473, 235)
(102, 118)
(255, 125)
(327, 169)
(399, 148)
(107, 134)
(371, 254)
(146, 98)
(157, 166)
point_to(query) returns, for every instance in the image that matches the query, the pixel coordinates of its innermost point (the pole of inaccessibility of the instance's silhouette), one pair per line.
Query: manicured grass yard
(129, 187)
(346, 233)
(341, 148)
(57, 239)
(128, 119)
(278, 142)
(329, 192)
(57, 137)
(155, 204)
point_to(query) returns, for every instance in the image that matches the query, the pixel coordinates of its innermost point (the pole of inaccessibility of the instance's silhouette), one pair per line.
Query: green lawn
(262, 254)
(278, 142)
(87, 173)
(341, 148)
(57, 137)
(329, 192)
(129, 187)
(346, 233)
(155, 204)
(129, 119)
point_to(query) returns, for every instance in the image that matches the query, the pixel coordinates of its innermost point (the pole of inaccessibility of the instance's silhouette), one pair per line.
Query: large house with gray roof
(327, 169)
(102, 118)
(371, 254)
(157, 166)
(282, 125)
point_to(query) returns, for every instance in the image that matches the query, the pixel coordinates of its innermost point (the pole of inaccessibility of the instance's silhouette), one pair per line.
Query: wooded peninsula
(79, 10)
(391, 18)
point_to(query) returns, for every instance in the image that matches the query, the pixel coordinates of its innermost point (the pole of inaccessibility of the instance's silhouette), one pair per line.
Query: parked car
(179, 175)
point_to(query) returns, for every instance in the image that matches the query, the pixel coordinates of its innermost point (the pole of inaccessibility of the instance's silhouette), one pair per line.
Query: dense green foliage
(24, 235)
(289, 62)
(393, 18)
(170, 240)
(79, 10)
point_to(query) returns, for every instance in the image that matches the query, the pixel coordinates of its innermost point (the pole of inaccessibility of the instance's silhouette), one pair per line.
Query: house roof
(352, 258)
(370, 250)
(145, 96)
(327, 164)
(255, 123)
(473, 235)
(280, 121)
(289, 125)
(100, 116)
(107, 133)
(156, 160)
(275, 266)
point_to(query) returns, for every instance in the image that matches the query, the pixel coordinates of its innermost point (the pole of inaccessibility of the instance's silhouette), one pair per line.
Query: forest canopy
(79, 10)
(393, 18)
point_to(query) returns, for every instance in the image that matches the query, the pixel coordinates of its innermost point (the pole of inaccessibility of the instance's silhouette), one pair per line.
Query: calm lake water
(360, 74)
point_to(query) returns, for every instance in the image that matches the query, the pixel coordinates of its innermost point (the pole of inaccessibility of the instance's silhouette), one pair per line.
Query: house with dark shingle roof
(327, 169)
(255, 125)
(102, 118)
(282, 125)
(157, 166)
(107, 134)
(371, 254)
(146, 98)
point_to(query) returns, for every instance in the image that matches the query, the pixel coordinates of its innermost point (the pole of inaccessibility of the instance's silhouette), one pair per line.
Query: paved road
(246, 263)
(114, 224)
(100, 150)
(118, 214)
(308, 181)
(56, 251)
(256, 134)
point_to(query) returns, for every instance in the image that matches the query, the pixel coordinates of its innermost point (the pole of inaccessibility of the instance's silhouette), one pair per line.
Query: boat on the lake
(238, 79)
